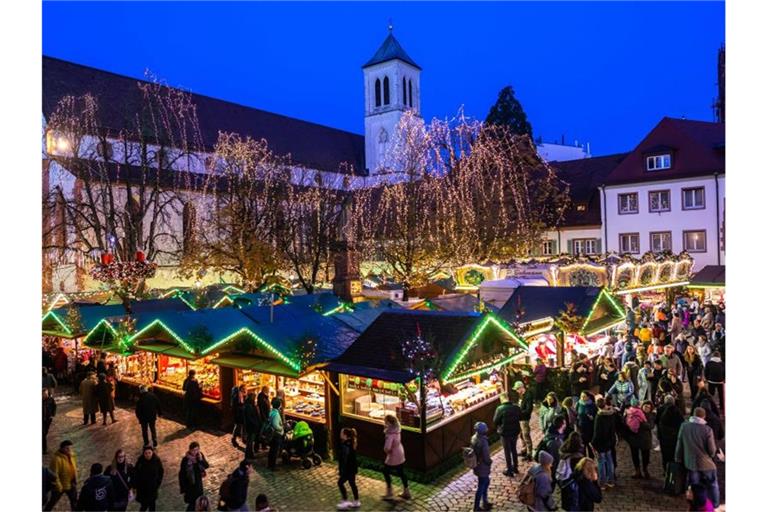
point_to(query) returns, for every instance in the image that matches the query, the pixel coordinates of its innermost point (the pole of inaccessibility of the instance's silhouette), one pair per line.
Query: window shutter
(598, 246)
(570, 246)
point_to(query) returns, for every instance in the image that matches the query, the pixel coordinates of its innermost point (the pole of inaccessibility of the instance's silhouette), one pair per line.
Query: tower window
(386, 90)
(378, 92)
(405, 96)
(410, 93)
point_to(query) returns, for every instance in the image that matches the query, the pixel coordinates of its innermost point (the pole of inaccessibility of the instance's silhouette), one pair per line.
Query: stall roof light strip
(166, 329)
(707, 286)
(650, 288)
(341, 307)
(614, 324)
(487, 369)
(56, 301)
(293, 364)
(476, 334)
(58, 320)
(603, 293)
(185, 301)
(226, 297)
(233, 287)
(102, 321)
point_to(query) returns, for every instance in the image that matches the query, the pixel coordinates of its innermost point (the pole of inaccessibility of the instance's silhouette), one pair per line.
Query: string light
(58, 320)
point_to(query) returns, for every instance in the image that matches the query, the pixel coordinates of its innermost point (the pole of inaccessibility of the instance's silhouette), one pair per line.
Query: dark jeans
(483, 482)
(718, 388)
(91, 417)
(709, 480)
(147, 505)
(274, 450)
(352, 485)
(46, 427)
(398, 470)
(539, 390)
(510, 451)
(55, 495)
(251, 445)
(636, 452)
(111, 416)
(149, 425)
(238, 431)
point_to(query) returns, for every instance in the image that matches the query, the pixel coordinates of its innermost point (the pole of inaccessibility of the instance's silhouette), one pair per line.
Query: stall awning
(109, 346)
(166, 349)
(259, 364)
(711, 276)
(373, 373)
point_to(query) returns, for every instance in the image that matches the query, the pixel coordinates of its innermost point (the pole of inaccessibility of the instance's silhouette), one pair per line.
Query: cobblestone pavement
(294, 489)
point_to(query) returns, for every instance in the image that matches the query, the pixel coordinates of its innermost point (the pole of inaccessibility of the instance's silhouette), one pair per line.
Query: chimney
(346, 276)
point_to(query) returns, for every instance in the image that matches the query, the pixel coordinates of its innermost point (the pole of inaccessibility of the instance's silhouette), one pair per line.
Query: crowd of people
(632, 392)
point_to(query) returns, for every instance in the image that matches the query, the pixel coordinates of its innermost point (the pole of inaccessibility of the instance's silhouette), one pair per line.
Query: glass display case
(171, 372)
(137, 368)
(305, 396)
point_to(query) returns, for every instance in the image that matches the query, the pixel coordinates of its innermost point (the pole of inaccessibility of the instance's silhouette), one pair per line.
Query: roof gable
(390, 49)
(697, 149)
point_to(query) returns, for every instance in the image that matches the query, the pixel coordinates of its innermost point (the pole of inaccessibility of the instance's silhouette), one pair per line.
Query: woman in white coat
(395, 457)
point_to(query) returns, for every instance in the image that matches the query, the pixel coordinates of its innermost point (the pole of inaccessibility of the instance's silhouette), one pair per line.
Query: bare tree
(242, 212)
(116, 184)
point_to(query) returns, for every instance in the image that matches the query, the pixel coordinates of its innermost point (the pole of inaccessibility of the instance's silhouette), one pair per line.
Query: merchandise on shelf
(138, 367)
(305, 397)
(254, 381)
(171, 372)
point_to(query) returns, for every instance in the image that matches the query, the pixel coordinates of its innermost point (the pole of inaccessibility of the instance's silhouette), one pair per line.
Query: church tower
(392, 86)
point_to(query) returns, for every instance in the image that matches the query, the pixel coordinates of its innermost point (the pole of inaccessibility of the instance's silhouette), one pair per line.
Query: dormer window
(658, 162)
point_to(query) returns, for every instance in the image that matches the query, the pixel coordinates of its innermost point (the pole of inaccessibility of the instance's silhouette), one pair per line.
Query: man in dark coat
(697, 450)
(193, 395)
(252, 424)
(97, 493)
(147, 411)
(49, 411)
(669, 421)
(526, 409)
(191, 474)
(147, 477)
(263, 402)
(238, 487)
(104, 396)
(714, 372)
(507, 421)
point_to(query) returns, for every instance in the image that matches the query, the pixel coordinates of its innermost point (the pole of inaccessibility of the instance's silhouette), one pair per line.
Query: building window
(410, 93)
(661, 241)
(627, 203)
(585, 246)
(386, 90)
(693, 198)
(658, 201)
(695, 241)
(548, 248)
(581, 207)
(658, 162)
(405, 95)
(629, 243)
(378, 92)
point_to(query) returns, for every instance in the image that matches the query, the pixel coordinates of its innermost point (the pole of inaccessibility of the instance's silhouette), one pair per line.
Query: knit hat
(481, 427)
(519, 384)
(634, 402)
(545, 458)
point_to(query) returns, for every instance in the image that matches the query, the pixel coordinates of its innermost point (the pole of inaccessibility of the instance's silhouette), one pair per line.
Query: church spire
(390, 49)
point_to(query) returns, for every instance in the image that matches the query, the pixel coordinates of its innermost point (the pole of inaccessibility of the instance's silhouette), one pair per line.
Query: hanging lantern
(140, 256)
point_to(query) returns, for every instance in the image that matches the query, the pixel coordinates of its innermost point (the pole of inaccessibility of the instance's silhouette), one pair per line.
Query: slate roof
(311, 145)
(378, 352)
(584, 176)
(364, 313)
(390, 49)
(459, 302)
(324, 301)
(709, 275)
(539, 302)
(697, 148)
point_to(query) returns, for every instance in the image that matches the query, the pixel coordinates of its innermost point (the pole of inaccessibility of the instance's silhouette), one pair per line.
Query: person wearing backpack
(604, 440)
(272, 433)
(552, 441)
(571, 453)
(233, 492)
(482, 469)
(237, 403)
(507, 421)
(541, 477)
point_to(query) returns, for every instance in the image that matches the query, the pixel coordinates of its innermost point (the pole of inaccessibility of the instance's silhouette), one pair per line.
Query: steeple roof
(390, 49)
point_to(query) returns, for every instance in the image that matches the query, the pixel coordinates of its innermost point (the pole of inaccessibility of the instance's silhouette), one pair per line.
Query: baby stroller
(300, 442)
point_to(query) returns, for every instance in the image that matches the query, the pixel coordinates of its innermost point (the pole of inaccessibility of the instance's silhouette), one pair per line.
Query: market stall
(586, 313)
(709, 284)
(438, 372)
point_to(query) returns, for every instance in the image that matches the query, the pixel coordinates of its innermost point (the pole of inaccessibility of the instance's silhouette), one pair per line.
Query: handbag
(131, 495)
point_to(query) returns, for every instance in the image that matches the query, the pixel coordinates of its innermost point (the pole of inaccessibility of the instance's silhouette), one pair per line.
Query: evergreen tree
(509, 112)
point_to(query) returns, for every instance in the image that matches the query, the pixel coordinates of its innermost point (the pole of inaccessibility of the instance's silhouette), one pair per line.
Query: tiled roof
(311, 145)
(697, 149)
(390, 49)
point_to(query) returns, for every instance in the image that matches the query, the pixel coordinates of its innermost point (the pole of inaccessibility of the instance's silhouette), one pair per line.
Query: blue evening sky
(600, 72)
